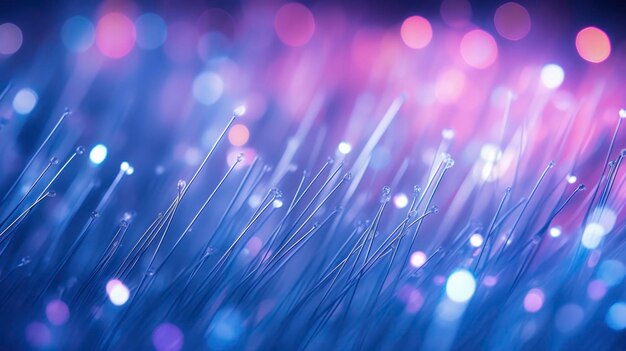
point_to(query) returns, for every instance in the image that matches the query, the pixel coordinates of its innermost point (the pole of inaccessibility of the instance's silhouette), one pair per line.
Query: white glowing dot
(490, 152)
(98, 154)
(592, 235)
(418, 258)
(278, 203)
(447, 133)
(476, 240)
(400, 200)
(118, 292)
(571, 179)
(552, 76)
(622, 113)
(240, 111)
(555, 232)
(24, 101)
(130, 171)
(124, 166)
(208, 88)
(344, 148)
(460, 286)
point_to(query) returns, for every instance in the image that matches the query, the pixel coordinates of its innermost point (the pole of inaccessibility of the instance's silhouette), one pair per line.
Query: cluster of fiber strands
(364, 196)
(500, 249)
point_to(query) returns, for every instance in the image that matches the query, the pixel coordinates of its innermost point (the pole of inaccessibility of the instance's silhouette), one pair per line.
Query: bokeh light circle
(552, 76)
(294, 24)
(208, 88)
(151, 31)
(416, 32)
(479, 49)
(25, 101)
(460, 286)
(238, 135)
(10, 38)
(78, 34)
(512, 21)
(167, 337)
(593, 44)
(115, 35)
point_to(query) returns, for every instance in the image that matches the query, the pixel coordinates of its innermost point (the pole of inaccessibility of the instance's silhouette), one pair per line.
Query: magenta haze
(285, 177)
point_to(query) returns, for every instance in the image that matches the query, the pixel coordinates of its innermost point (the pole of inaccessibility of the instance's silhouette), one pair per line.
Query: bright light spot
(460, 286)
(533, 301)
(490, 152)
(24, 101)
(344, 148)
(479, 49)
(208, 88)
(10, 38)
(78, 34)
(238, 135)
(416, 32)
(571, 179)
(98, 154)
(622, 113)
(616, 316)
(278, 203)
(294, 24)
(240, 111)
(592, 235)
(115, 35)
(552, 76)
(151, 31)
(606, 218)
(512, 21)
(555, 232)
(118, 292)
(447, 134)
(593, 44)
(124, 166)
(476, 240)
(400, 200)
(418, 258)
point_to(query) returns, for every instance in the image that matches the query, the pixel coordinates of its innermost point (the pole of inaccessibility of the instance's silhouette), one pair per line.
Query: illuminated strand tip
(416, 190)
(181, 185)
(418, 258)
(552, 76)
(277, 203)
(461, 286)
(347, 177)
(51, 193)
(239, 111)
(240, 157)
(98, 154)
(449, 163)
(54, 160)
(508, 189)
(118, 292)
(385, 197)
(622, 113)
(551, 164)
(571, 179)
(447, 133)
(127, 168)
(623, 153)
(344, 148)
(434, 210)
(276, 193)
(80, 150)
(476, 240)
(555, 231)
(581, 187)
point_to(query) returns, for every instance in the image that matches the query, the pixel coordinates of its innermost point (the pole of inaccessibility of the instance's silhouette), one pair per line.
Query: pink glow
(479, 49)
(294, 24)
(115, 35)
(593, 44)
(416, 32)
(534, 300)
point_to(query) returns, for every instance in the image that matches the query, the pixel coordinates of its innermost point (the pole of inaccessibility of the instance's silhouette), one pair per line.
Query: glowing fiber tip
(98, 154)
(461, 286)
